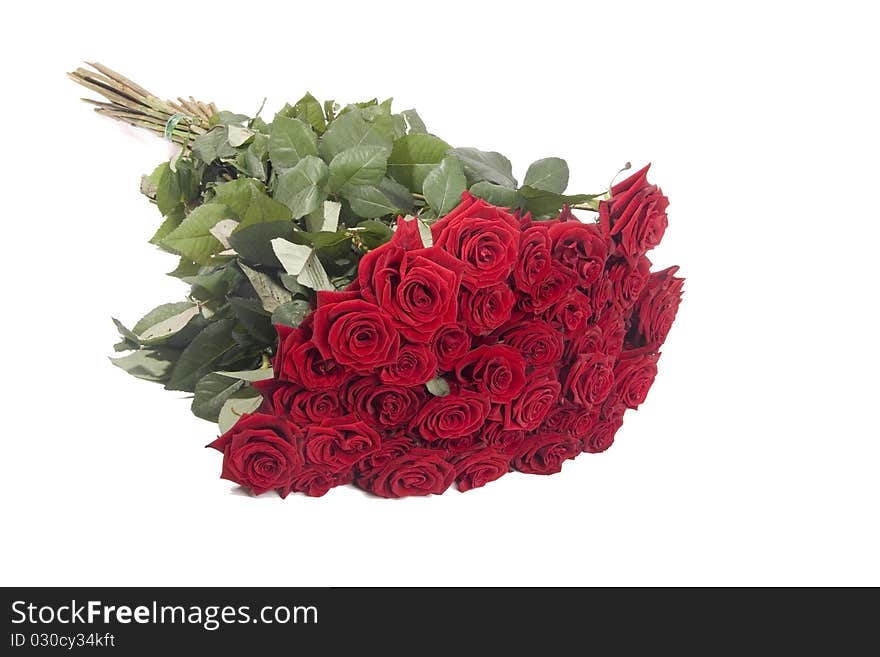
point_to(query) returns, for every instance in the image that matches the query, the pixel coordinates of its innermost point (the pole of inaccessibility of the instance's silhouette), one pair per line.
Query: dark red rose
(656, 309)
(583, 422)
(261, 452)
(571, 313)
(544, 453)
(418, 472)
(627, 281)
(538, 342)
(502, 440)
(289, 341)
(613, 332)
(315, 481)
(601, 436)
(590, 379)
(314, 371)
(581, 248)
(450, 343)
(554, 287)
(600, 296)
(560, 419)
(588, 341)
(634, 375)
(479, 468)
(417, 288)
(416, 364)
(353, 332)
(539, 396)
(384, 405)
(635, 215)
(498, 371)
(534, 261)
(456, 415)
(390, 449)
(301, 405)
(484, 237)
(484, 309)
(337, 444)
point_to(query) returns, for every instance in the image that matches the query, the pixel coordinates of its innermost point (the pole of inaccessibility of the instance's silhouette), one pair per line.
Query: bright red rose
(634, 375)
(384, 405)
(456, 415)
(416, 364)
(554, 287)
(261, 452)
(338, 443)
(539, 396)
(353, 332)
(450, 343)
(315, 481)
(390, 449)
(417, 472)
(571, 313)
(534, 260)
(498, 371)
(590, 379)
(484, 237)
(417, 288)
(479, 468)
(600, 296)
(502, 440)
(627, 281)
(588, 341)
(581, 248)
(315, 372)
(545, 453)
(635, 215)
(656, 309)
(289, 340)
(301, 405)
(484, 309)
(538, 342)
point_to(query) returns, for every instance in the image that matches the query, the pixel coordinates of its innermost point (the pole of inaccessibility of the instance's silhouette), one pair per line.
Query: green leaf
(237, 135)
(291, 313)
(486, 165)
(164, 321)
(235, 407)
(208, 347)
(170, 222)
(271, 294)
(399, 195)
(542, 203)
(374, 233)
(308, 109)
(192, 238)
(352, 129)
(253, 160)
(148, 364)
(360, 165)
(444, 185)
(413, 157)
(213, 282)
(414, 121)
(254, 318)
(438, 387)
(211, 392)
(302, 261)
(168, 194)
(368, 202)
(129, 339)
(254, 243)
(185, 268)
(247, 198)
(260, 374)
(549, 174)
(325, 218)
(301, 188)
(212, 145)
(227, 118)
(497, 195)
(290, 140)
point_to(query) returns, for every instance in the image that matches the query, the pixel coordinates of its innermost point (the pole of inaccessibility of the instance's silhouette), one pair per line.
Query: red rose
(627, 281)
(545, 453)
(613, 332)
(416, 364)
(353, 332)
(601, 436)
(485, 238)
(418, 472)
(384, 405)
(301, 405)
(449, 344)
(315, 481)
(456, 415)
(484, 309)
(555, 285)
(581, 248)
(261, 452)
(479, 468)
(656, 309)
(314, 371)
(538, 342)
(417, 288)
(583, 421)
(289, 340)
(390, 449)
(538, 397)
(571, 313)
(560, 419)
(337, 444)
(600, 296)
(588, 341)
(633, 376)
(534, 260)
(498, 371)
(635, 215)
(502, 440)
(590, 379)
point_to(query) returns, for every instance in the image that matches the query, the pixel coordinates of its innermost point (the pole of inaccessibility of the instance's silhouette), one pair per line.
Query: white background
(755, 459)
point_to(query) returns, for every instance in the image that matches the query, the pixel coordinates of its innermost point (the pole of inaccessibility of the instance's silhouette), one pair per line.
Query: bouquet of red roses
(368, 304)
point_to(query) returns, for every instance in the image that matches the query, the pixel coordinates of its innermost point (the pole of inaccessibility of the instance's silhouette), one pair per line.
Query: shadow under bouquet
(369, 305)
